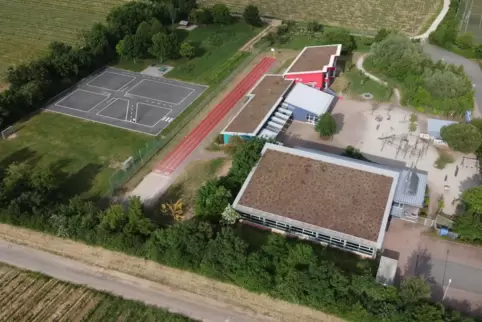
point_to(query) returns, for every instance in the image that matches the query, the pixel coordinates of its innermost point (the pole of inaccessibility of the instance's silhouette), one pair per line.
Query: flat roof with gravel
(314, 58)
(264, 97)
(344, 195)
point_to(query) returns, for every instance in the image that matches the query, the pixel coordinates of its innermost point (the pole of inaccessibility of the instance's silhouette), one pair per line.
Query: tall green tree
(221, 14)
(340, 36)
(129, 48)
(462, 137)
(414, 289)
(251, 15)
(211, 199)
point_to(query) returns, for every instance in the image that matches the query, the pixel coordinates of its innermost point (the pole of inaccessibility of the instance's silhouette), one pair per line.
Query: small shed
(387, 270)
(184, 23)
(434, 126)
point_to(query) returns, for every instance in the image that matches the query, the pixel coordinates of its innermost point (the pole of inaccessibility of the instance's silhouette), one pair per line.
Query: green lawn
(215, 46)
(359, 84)
(88, 152)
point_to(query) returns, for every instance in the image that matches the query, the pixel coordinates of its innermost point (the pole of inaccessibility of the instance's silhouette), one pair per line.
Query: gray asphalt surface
(471, 68)
(188, 304)
(463, 277)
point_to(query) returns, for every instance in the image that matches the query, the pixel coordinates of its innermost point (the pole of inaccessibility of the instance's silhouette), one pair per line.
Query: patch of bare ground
(223, 171)
(126, 268)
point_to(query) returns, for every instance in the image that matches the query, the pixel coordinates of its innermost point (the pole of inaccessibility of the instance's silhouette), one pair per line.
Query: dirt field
(117, 265)
(28, 296)
(408, 16)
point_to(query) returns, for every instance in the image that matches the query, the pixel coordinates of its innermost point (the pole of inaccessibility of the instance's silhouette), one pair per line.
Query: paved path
(133, 288)
(436, 22)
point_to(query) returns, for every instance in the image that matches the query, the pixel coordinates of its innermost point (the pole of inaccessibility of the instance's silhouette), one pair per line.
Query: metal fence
(150, 149)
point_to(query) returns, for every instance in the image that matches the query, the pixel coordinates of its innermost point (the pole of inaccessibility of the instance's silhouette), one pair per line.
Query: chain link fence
(218, 82)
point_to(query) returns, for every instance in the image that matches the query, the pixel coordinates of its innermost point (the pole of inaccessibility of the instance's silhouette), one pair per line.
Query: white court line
(150, 98)
(115, 100)
(106, 123)
(137, 109)
(76, 109)
(110, 89)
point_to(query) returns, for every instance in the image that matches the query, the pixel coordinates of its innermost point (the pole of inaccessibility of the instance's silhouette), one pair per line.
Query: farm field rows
(363, 16)
(29, 296)
(28, 26)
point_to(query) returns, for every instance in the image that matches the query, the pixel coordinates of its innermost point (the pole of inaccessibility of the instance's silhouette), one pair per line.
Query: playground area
(128, 100)
(470, 15)
(385, 135)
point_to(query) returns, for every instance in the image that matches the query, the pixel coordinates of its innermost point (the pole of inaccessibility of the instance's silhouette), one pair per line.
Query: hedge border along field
(28, 26)
(31, 296)
(363, 16)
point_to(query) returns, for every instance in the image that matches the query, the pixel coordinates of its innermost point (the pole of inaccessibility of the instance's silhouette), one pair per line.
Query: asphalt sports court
(128, 100)
(470, 16)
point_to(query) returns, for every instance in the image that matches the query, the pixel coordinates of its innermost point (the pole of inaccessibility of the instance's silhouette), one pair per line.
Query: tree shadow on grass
(340, 121)
(23, 155)
(80, 181)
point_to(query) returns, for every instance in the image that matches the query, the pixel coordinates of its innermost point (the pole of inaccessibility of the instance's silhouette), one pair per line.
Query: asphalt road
(471, 68)
(463, 277)
(188, 304)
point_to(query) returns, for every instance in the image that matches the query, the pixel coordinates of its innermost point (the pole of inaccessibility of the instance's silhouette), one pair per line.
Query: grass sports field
(28, 26)
(29, 296)
(360, 15)
(87, 152)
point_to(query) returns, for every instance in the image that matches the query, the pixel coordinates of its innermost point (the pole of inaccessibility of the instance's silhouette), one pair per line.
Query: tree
(143, 37)
(445, 84)
(314, 26)
(221, 14)
(211, 199)
(381, 35)
(413, 289)
(478, 51)
(202, 16)
(187, 50)
(340, 36)
(472, 198)
(229, 215)
(251, 15)
(129, 48)
(245, 157)
(469, 224)
(465, 41)
(462, 137)
(161, 46)
(326, 125)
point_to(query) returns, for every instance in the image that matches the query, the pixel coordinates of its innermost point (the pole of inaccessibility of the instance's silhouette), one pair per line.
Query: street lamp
(447, 289)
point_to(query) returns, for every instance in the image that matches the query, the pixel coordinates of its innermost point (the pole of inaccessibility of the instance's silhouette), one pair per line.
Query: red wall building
(315, 66)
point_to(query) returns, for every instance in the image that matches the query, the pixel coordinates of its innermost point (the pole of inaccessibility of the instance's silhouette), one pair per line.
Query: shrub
(326, 125)
(381, 35)
(187, 50)
(465, 41)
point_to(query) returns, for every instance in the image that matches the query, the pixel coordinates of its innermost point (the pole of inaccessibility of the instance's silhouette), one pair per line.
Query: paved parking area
(128, 100)
(438, 261)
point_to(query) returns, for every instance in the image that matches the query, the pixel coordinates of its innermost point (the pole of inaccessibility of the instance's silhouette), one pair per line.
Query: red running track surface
(177, 156)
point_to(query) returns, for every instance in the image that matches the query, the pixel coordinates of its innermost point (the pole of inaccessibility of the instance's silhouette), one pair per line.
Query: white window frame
(311, 118)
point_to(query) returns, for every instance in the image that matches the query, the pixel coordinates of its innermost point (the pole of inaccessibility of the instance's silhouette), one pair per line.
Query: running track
(177, 156)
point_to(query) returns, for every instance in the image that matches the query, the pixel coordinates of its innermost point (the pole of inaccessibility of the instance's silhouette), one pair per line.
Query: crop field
(470, 15)
(407, 16)
(28, 26)
(29, 296)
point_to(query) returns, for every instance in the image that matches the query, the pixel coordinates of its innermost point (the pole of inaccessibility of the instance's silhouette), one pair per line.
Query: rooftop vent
(411, 183)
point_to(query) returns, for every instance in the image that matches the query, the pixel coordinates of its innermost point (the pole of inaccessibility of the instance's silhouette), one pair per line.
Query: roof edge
(325, 68)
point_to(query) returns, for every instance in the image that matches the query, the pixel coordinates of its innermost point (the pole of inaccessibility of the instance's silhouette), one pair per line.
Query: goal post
(7, 132)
